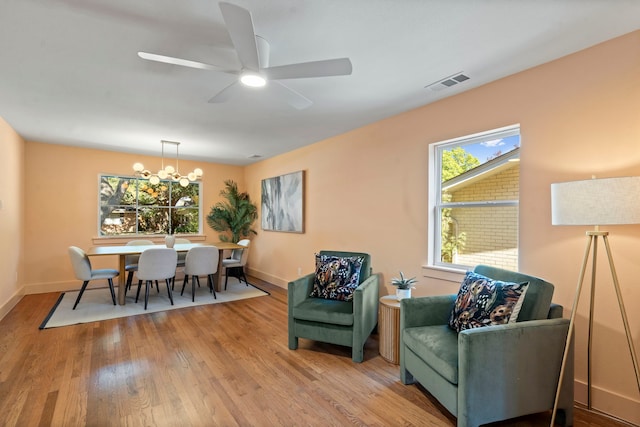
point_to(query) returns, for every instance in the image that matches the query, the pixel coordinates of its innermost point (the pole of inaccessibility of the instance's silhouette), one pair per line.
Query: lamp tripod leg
(572, 319)
(623, 313)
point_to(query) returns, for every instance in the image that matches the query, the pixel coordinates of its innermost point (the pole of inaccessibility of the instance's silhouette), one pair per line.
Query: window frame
(434, 260)
(138, 206)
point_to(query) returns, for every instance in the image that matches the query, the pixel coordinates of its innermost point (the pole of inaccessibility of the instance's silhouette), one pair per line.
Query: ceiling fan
(253, 53)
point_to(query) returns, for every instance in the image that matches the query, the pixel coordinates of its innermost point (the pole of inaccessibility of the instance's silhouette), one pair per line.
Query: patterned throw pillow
(483, 301)
(336, 277)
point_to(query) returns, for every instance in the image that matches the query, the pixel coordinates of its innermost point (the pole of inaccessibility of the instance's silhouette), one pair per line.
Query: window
(130, 206)
(474, 196)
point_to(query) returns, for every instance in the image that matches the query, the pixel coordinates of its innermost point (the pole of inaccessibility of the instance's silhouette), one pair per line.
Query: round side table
(389, 328)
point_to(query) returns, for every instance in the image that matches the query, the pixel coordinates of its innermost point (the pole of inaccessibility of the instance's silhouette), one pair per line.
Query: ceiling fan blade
(240, 27)
(329, 67)
(293, 98)
(226, 94)
(183, 62)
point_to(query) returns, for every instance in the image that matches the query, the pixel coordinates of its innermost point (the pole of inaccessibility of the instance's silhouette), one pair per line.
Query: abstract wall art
(283, 203)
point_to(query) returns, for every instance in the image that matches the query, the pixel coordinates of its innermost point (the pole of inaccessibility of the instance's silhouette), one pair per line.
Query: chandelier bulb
(168, 172)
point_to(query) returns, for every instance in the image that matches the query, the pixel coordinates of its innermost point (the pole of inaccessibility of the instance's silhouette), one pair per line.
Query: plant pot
(170, 240)
(403, 293)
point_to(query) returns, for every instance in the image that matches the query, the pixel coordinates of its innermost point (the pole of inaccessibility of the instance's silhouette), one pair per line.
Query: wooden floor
(216, 365)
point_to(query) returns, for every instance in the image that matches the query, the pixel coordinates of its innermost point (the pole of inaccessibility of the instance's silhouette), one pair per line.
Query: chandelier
(168, 172)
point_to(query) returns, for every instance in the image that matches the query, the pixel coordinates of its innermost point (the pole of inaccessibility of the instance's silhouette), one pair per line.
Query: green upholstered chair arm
(365, 304)
(555, 311)
(426, 311)
(300, 289)
(504, 357)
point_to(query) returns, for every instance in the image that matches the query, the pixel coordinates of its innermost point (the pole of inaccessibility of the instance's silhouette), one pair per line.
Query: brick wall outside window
(491, 232)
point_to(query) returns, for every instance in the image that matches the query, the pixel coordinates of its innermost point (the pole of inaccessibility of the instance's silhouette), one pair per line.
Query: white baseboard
(43, 288)
(274, 280)
(609, 403)
(11, 302)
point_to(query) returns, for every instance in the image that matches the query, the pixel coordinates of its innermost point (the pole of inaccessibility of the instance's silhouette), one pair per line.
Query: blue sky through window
(487, 150)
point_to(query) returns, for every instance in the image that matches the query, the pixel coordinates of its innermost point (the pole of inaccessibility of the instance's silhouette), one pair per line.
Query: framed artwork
(283, 203)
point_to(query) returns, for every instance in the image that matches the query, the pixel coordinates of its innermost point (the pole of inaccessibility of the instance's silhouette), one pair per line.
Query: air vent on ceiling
(452, 80)
(255, 156)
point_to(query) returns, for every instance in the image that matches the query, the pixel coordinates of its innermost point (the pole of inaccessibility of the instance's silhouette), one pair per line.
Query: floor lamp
(595, 202)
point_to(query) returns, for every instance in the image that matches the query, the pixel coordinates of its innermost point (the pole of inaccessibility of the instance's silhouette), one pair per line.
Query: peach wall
(62, 206)
(366, 190)
(11, 190)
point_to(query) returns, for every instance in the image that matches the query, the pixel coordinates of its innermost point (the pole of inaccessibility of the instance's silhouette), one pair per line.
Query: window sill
(448, 274)
(155, 238)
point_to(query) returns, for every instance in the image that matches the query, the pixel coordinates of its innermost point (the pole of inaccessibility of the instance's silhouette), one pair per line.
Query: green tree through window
(455, 162)
(474, 186)
(130, 206)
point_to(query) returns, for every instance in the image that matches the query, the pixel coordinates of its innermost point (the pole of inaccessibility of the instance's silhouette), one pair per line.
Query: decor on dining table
(283, 203)
(168, 172)
(169, 240)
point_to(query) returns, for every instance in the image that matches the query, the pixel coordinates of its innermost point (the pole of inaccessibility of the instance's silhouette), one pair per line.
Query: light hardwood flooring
(216, 365)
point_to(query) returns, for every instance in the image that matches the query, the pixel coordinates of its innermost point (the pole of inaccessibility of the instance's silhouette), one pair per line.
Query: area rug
(96, 304)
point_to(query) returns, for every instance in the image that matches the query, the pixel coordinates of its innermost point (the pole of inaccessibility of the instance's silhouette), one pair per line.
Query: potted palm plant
(403, 286)
(233, 217)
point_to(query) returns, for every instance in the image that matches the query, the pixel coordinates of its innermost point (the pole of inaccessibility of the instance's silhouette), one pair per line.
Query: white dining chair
(156, 264)
(238, 260)
(200, 261)
(82, 269)
(131, 261)
(182, 255)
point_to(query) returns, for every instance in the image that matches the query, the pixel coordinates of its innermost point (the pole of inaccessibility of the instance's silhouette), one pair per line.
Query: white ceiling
(70, 74)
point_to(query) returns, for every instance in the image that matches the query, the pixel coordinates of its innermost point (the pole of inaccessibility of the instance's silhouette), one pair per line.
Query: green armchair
(347, 323)
(490, 373)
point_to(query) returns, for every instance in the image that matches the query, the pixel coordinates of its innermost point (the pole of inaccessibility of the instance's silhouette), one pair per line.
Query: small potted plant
(403, 286)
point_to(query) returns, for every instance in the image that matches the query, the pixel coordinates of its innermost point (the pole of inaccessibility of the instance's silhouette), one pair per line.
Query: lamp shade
(606, 201)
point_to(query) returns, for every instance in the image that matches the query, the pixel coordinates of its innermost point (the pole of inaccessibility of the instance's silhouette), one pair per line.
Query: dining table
(123, 250)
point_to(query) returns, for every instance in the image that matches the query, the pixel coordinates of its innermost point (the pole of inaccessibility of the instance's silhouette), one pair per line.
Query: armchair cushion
(437, 346)
(336, 277)
(325, 311)
(482, 301)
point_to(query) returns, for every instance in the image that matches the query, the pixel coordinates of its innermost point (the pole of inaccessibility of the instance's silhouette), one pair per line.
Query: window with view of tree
(130, 206)
(475, 184)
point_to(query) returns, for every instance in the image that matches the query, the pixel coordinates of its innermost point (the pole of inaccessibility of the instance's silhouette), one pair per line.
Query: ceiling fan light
(252, 80)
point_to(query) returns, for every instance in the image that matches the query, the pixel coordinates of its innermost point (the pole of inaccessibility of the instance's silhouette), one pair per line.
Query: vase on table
(170, 240)
(403, 293)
